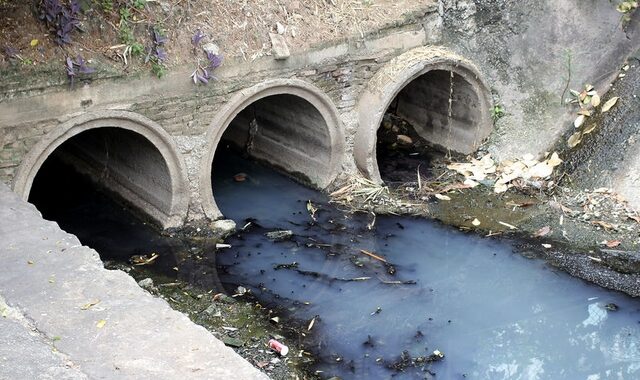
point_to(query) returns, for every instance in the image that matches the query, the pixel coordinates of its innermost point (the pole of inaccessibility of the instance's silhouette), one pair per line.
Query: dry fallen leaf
(88, 305)
(595, 100)
(541, 170)
(609, 103)
(574, 139)
(500, 187)
(471, 183)
(634, 217)
(603, 224)
(443, 197)
(544, 231)
(612, 243)
(101, 323)
(554, 160)
(579, 121)
(589, 129)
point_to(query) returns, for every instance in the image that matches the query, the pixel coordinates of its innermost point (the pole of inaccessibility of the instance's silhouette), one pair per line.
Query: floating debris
(279, 235)
(611, 307)
(293, 265)
(312, 211)
(240, 177)
(373, 255)
(143, 259)
(313, 321)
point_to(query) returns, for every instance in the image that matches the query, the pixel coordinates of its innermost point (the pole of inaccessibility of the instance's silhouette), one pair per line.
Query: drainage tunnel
(287, 132)
(111, 187)
(120, 161)
(437, 112)
(289, 125)
(423, 103)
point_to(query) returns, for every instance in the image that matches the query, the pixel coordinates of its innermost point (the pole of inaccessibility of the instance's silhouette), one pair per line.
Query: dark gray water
(492, 312)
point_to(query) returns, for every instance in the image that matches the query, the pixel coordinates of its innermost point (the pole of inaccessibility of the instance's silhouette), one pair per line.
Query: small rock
(232, 342)
(146, 283)
(279, 45)
(280, 28)
(404, 139)
(211, 48)
(213, 311)
(223, 227)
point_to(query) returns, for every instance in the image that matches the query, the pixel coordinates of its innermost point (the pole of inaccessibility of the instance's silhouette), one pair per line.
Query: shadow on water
(493, 313)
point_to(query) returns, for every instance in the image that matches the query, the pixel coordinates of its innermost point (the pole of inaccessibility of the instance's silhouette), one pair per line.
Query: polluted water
(413, 299)
(400, 298)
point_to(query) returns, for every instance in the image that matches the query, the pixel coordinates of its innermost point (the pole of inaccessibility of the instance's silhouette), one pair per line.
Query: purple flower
(158, 38)
(197, 37)
(215, 60)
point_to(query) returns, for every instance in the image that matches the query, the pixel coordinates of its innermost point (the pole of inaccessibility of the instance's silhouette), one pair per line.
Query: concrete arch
(400, 73)
(300, 91)
(168, 211)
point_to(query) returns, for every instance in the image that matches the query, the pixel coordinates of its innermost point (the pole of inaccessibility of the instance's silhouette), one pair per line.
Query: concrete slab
(26, 354)
(48, 277)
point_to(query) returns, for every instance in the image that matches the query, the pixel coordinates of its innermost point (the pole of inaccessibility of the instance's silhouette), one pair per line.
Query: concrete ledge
(48, 276)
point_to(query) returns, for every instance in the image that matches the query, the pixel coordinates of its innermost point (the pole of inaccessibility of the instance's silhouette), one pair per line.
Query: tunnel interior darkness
(120, 161)
(285, 131)
(439, 111)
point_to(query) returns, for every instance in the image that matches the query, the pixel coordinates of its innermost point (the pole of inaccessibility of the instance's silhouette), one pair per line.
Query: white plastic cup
(278, 347)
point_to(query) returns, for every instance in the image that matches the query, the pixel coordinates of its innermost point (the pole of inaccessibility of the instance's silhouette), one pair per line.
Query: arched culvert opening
(287, 124)
(126, 155)
(424, 102)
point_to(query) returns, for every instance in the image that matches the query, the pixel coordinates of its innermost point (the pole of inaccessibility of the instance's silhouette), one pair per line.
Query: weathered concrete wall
(123, 162)
(287, 131)
(425, 102)
(522, 49)
(515, 51)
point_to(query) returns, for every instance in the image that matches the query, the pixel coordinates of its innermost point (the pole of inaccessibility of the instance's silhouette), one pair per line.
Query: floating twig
(373, 255)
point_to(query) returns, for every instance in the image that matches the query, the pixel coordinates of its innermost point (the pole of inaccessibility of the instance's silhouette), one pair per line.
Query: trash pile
(520, 173)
